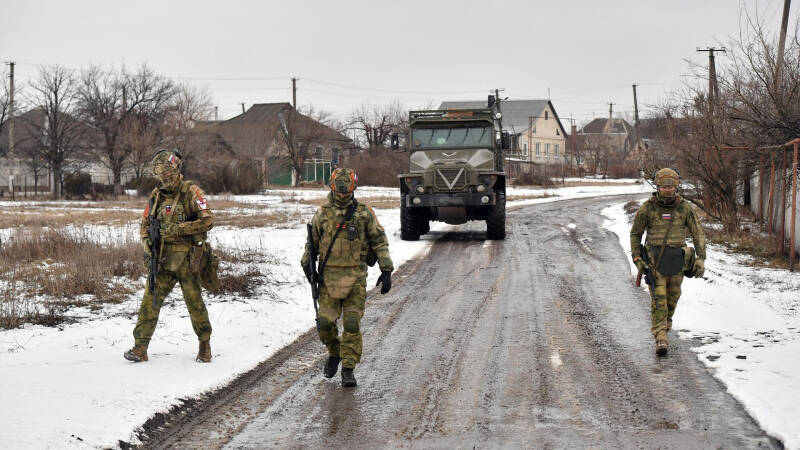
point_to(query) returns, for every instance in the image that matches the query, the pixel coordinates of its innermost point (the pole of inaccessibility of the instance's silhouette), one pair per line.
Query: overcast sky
(344, 53)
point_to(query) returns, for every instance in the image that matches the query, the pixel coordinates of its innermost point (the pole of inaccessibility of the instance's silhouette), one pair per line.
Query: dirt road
(540, 341)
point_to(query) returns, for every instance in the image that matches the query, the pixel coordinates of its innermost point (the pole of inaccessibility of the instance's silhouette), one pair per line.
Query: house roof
(601, 125)
(255, 130)
(516, 113)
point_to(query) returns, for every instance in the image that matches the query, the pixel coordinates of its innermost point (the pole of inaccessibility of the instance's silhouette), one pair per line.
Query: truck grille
(450, 179)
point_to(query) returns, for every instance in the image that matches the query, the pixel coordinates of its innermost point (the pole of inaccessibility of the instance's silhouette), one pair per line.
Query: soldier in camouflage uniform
(185, 218)
(666, 217)
(344, 275)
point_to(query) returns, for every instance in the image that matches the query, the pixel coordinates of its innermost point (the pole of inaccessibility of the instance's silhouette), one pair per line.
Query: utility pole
(781, 44)
(242, 107)
(635, 109)
(216, 113)
(294, 92)
(11, 107)
(713, 91)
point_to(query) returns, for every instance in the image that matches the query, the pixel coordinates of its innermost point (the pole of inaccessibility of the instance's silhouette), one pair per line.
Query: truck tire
(409, 230)
(496, 222)
(424, 226)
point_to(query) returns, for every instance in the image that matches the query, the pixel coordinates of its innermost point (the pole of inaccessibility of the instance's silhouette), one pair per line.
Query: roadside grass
(515, 197)
(377, 202)
(749, 241)
(46, 273)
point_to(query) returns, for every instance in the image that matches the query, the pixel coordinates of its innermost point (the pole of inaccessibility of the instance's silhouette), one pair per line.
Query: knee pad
(351, 324)
(325, 324)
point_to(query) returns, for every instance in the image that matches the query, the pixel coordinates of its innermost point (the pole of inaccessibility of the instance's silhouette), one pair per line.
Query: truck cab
(455, 172)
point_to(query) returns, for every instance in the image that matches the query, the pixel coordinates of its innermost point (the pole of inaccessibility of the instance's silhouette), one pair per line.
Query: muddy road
(540, 341)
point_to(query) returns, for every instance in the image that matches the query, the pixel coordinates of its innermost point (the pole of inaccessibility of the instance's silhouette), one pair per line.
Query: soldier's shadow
(342, 408)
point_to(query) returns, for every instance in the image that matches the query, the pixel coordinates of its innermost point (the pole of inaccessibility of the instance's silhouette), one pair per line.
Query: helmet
(344, 181)
(667, 177)
(167, 166)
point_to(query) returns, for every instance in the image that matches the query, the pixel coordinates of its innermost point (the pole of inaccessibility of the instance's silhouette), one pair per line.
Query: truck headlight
(416, 200)
(485, 199)
(480, 188)
(421, 160)
(420, 189)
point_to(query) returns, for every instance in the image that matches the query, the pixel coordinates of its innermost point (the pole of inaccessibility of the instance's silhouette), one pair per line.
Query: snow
(68, 386)
(744, 320)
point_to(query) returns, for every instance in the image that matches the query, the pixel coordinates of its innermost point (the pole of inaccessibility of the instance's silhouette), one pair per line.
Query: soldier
(343, 246)
(185, 218)
(666, 217)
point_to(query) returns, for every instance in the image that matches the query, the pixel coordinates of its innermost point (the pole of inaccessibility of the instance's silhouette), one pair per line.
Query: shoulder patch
(374, 216)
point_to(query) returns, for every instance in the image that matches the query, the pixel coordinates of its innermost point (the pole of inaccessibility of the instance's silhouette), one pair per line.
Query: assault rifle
(649, 278)
(154, 231)
(313, 276)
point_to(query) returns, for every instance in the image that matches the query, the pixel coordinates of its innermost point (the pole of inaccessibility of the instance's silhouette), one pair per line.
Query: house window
(558, 133)
(335, 157)
(524, 149)
(546, 149)
(555, 151)
(538, 148)
(318, 152)
(546, 115)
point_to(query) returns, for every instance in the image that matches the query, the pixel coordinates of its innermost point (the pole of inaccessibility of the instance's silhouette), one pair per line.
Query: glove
(699, 268)
(385, 280)
(307, 271)
(146, 245)
(640, 265)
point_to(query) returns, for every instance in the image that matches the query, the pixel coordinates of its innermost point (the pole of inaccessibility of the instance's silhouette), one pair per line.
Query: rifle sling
(347, 217)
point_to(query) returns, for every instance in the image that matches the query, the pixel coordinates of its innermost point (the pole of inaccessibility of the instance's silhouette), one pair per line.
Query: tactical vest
(183, 212)
(658, 221)
(350, 247)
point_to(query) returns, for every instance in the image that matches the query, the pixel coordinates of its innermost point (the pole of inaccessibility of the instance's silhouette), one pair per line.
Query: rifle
(154, 231)
(649, 278)
(313, 278)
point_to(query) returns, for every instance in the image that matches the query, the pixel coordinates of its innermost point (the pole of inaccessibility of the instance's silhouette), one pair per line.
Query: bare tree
(188, 106)
(299, 132)
(108, 100)
(55, 134)
(376, 123)
(5, 102)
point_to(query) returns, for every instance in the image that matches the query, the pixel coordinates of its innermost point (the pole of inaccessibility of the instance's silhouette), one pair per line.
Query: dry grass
(256, 220)
(760, 246)
(62, 270)
(511, 198)
(377, 202)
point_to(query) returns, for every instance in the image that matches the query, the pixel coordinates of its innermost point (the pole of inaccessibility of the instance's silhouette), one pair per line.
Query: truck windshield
(452, 137)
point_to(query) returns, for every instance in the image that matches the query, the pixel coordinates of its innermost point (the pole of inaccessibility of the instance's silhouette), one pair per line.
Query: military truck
(455, 173)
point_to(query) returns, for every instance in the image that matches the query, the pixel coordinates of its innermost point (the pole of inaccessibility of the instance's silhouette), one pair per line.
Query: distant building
(257, 136)
(538, 136)
(610, 147)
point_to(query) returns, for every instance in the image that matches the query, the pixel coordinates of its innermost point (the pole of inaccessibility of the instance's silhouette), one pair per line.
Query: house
(284, 145)
(538, 136)
(609, 146)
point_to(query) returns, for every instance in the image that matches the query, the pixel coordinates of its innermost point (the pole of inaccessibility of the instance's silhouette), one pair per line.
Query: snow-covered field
(69, 386)
(746, 323)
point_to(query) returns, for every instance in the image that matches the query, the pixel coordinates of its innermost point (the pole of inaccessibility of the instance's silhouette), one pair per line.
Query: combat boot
(348, 379)
(662, 346)
(331, 366)
(137, 354)
(204, 353)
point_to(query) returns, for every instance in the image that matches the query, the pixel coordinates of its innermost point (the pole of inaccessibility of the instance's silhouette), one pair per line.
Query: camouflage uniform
(655, 216)
(343, 290)
(185, 218)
